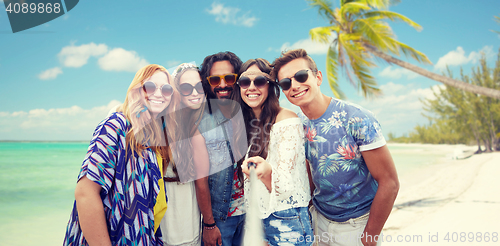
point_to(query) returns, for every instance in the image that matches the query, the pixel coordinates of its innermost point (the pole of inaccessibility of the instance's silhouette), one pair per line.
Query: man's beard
(227, 88)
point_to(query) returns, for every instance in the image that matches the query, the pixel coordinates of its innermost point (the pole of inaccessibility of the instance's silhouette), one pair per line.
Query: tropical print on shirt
(129, 187)
(344, 187)
(237, 205)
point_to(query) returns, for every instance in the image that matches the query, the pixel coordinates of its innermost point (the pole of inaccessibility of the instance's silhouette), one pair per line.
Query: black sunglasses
(215, 80)
(150, 88)
(301, 77)
(186, 89)
(259, 82)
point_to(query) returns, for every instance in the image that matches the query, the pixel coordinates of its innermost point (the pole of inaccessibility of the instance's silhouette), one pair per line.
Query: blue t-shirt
(344, 187)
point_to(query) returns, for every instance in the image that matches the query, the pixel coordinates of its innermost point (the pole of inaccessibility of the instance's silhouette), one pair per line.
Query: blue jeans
(291, 226)
(231, 230)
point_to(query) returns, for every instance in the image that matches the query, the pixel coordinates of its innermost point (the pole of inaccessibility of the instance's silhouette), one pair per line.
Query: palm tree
(360, 31)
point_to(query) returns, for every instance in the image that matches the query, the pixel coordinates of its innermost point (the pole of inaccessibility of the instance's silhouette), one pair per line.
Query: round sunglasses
(150, 88)
(300, 76)
(186, 89)
(259, 82)
(215, 80)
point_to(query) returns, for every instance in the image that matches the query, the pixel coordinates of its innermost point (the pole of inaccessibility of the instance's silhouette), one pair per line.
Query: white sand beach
(456, 202)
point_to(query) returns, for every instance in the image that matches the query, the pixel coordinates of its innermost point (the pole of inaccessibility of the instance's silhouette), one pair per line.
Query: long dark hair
(209, 61)
(258, 128)
(189, 120)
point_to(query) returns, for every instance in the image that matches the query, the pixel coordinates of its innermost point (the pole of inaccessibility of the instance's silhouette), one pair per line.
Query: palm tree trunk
(476, 136)
(434, 76)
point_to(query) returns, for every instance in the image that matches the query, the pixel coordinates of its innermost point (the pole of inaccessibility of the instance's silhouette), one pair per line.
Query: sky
(59, 80)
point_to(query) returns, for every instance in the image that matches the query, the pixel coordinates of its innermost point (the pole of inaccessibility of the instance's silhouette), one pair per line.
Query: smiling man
(220, 195)
(353, 172)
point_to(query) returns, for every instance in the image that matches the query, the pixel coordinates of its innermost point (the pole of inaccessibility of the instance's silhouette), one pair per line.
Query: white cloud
(120, 59)
(312, 47)
(397, 73)
(399, 110)
(117, 59)
(171, 64)
(51, 73)
(272, 49)
(73, 123)
(77, 56)
(231, 15)
(457, 57)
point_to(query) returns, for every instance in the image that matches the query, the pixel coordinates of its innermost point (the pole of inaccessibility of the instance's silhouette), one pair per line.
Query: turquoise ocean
(37, 182)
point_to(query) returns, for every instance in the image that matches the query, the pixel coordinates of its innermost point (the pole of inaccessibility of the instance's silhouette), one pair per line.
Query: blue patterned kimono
(129, 187)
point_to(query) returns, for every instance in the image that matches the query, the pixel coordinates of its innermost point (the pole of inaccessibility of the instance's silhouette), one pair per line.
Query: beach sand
(456, 202)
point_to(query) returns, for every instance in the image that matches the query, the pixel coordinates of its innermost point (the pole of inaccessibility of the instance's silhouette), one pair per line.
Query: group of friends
(171, 165)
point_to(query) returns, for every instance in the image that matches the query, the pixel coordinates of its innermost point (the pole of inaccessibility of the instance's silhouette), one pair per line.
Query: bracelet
(209, 228)
(208, 225)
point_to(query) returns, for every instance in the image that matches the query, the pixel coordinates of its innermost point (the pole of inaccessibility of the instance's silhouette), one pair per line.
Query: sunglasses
(259, 82)
(150, 88)
(301, 77)
(215, 80)
(186, 89)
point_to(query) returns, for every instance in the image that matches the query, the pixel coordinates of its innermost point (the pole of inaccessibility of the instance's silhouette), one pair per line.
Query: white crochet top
(286, 155)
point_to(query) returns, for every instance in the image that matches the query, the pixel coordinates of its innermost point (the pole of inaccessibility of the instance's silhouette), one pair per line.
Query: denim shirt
(220, 181)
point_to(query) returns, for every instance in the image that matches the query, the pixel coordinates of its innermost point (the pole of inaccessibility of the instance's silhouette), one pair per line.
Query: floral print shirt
(344, 187)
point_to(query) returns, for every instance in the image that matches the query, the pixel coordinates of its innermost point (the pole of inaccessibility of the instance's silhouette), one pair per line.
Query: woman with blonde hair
(119, 196)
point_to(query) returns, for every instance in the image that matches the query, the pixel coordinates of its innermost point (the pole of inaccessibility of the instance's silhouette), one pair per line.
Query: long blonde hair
(145, 131)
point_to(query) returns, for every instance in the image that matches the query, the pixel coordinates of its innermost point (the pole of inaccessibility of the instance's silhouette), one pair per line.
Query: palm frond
(393, 16)
(352, 49)
(324, 9)
(379, 4)
(367, 82)
(497, 19)
(413, 53)
(331, 72)
(322, 34)
(357, 65)
(377, 33)
(353, 8)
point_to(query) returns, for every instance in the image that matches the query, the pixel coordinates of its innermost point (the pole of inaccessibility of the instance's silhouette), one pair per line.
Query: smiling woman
(181, 224)
(277, 148)
(127, 148)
